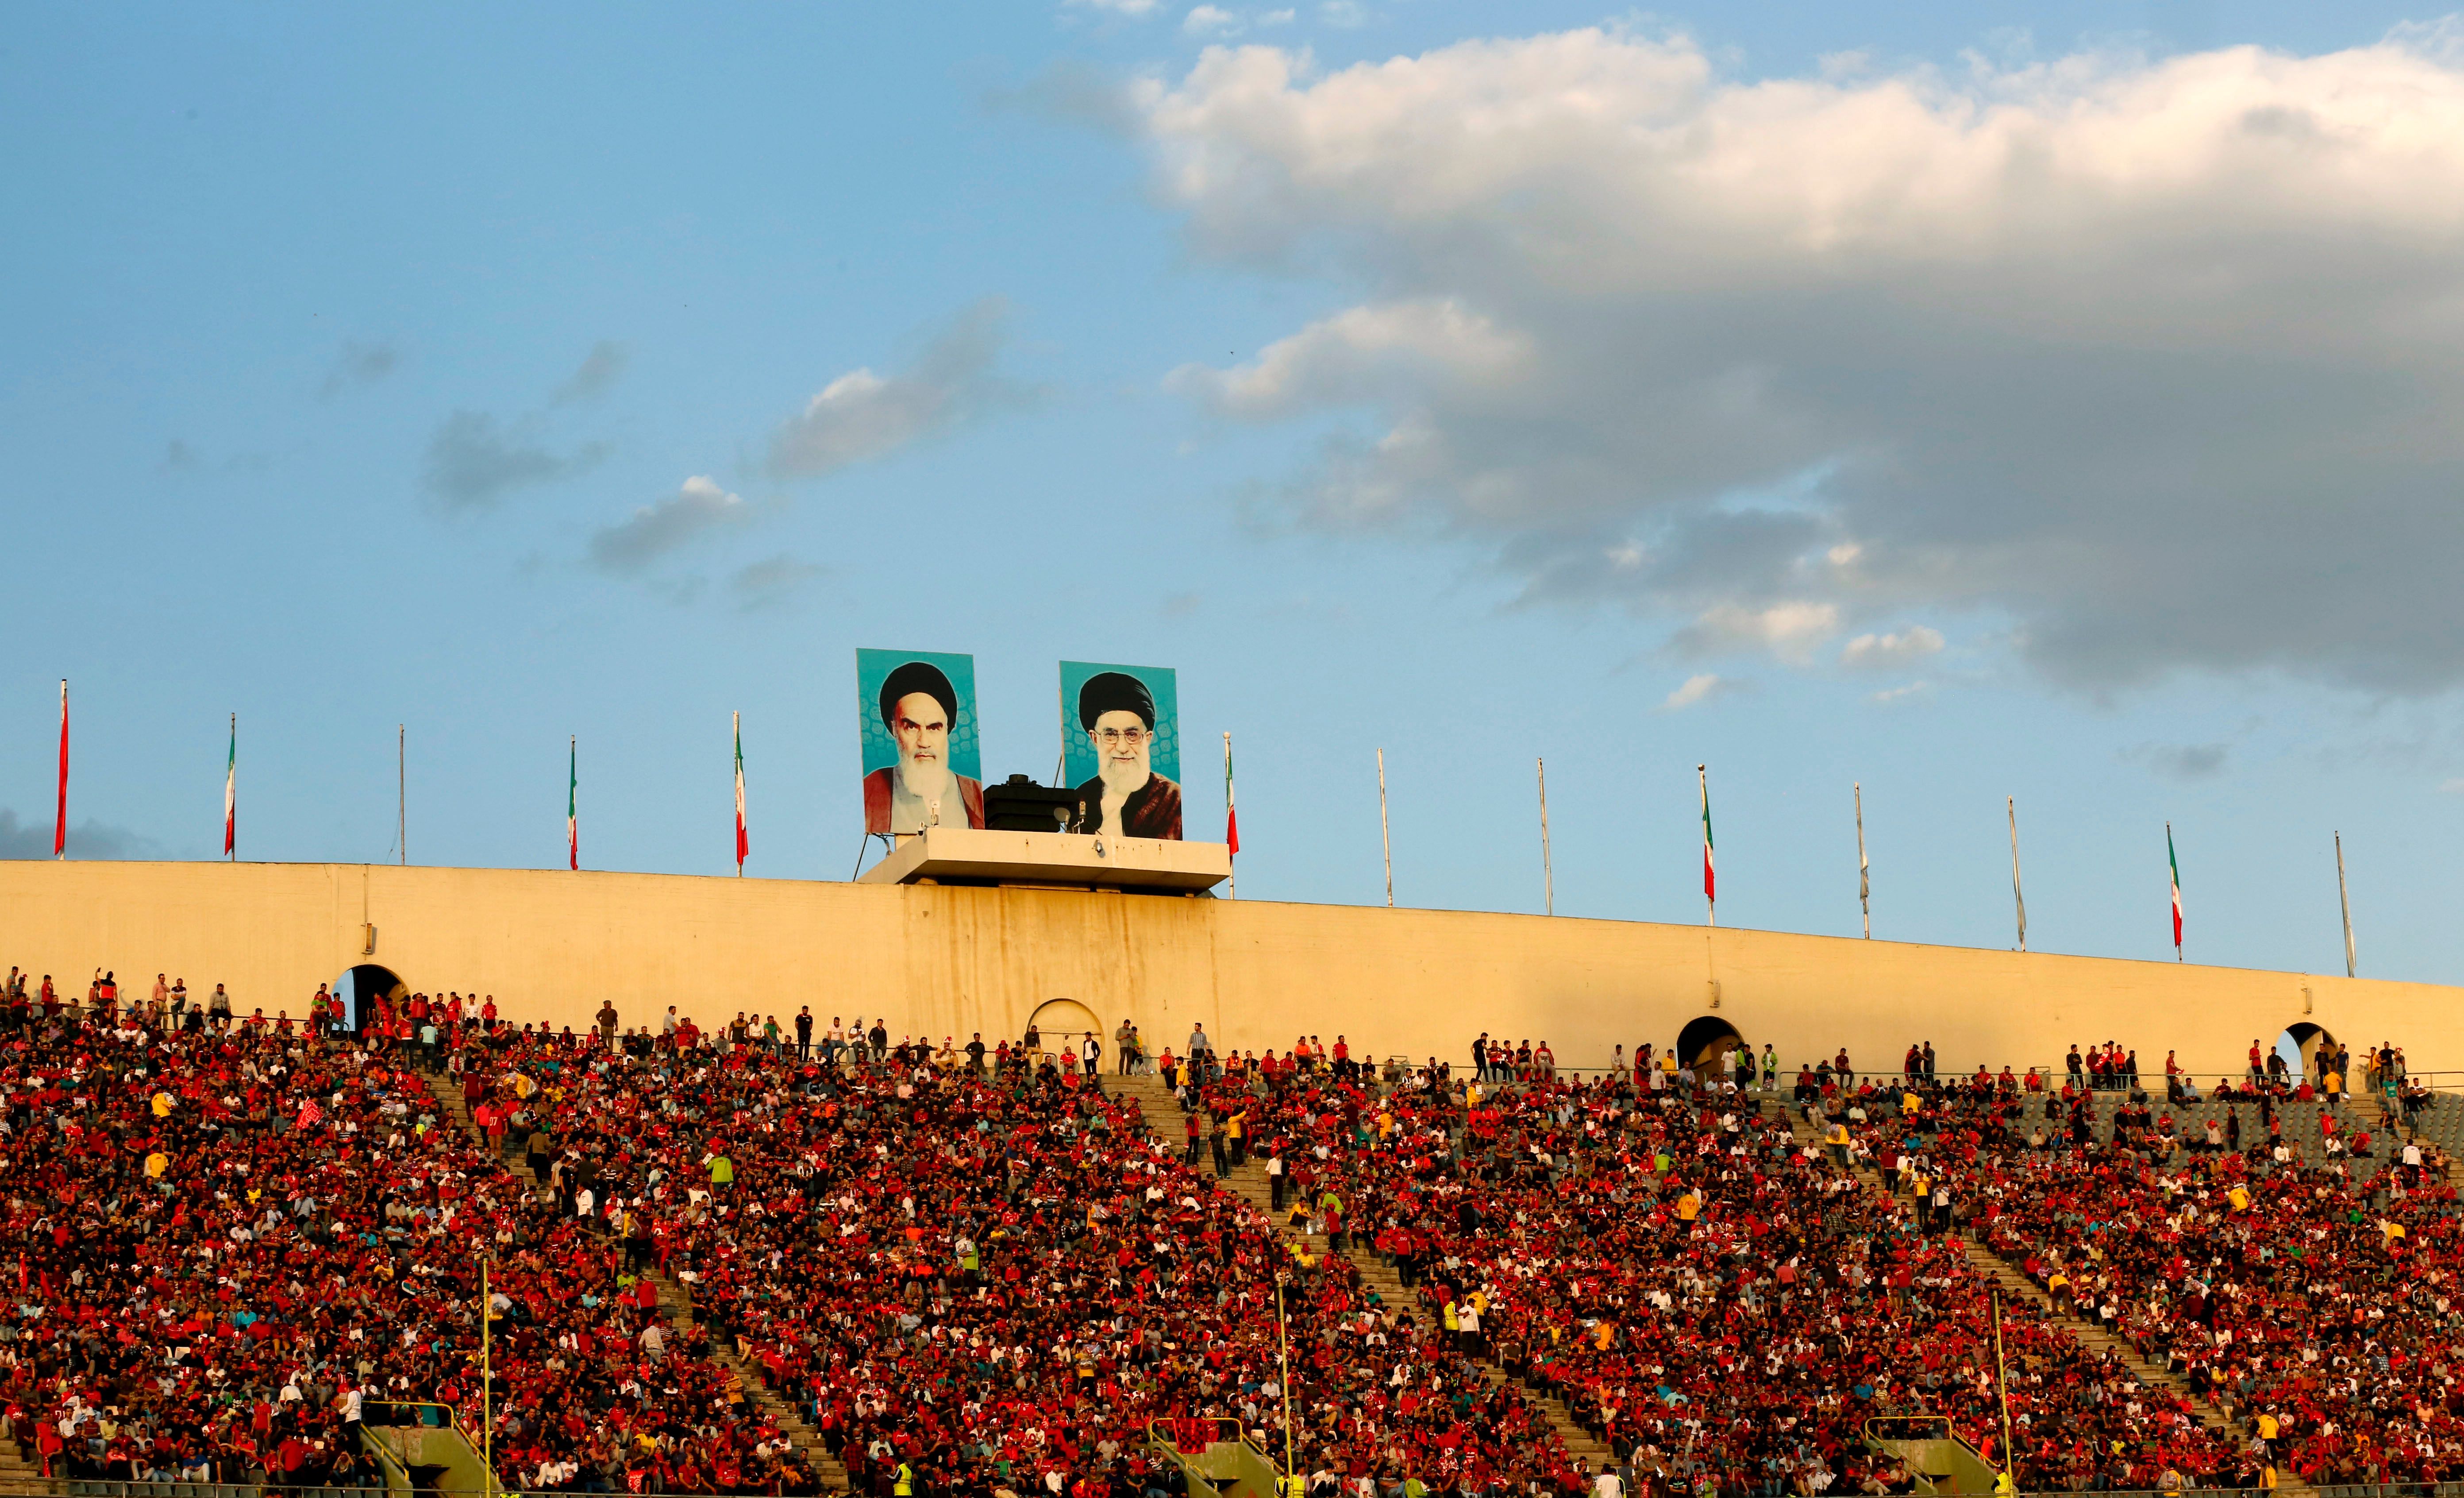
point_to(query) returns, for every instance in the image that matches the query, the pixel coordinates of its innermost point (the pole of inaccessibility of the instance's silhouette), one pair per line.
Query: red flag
(61, 827)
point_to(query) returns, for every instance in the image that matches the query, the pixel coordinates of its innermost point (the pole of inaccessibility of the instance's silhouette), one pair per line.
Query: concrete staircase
(2015, 1284)
(17, 1475)
(678, 1305)
(1163, 1115)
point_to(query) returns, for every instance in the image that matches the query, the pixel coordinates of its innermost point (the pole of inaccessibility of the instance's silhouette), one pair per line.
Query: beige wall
(945, 960)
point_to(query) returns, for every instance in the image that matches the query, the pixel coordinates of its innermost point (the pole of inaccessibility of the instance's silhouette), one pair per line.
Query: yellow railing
(463, 1458)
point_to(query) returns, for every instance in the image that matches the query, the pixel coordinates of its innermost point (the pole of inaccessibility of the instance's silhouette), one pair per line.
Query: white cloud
(1343, 12)
(861, 415)
(2153, 362)
(1913, 692)
(1694, 690)
(697, 507)
(1128, 8)
(1282, 17)
(1209, 20)
(2453, 788)
(1361, 356)
(1788, 630)
(1873, 652)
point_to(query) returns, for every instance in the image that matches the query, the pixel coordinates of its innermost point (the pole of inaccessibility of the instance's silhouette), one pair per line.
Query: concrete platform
(1054, 860)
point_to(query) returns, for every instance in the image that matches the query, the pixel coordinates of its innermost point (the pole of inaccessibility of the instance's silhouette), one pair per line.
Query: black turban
(1114, 692)
(918, 677)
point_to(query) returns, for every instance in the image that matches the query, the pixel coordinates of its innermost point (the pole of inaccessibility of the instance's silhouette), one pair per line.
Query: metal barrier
(1216, 1456)
(462, 1459)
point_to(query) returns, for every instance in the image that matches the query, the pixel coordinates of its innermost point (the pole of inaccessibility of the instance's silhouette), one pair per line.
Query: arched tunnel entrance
(361, 987)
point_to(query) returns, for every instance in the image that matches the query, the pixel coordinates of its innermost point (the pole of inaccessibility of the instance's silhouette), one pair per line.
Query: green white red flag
(230, 794)
(1710, 875)
(743, 844)
(1231, 811)
(2174, 868)
(572, 803)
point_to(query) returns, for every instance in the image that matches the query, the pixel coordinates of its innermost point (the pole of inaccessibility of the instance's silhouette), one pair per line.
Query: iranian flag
(1710, 879)
(2174, 867)
(572, 800)
(230, 794)
(1231, 812)
(743, 844)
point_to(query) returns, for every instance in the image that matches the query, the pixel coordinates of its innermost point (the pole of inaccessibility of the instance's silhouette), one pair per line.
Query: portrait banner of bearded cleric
(923, 756)
(1120, 737)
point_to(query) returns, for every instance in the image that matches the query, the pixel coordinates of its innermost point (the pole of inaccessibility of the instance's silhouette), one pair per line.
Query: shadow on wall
(1707, 1040)
(1063, 1022)
(367, 983)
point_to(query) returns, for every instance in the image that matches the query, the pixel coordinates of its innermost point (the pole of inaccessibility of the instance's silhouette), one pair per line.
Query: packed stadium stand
(670, 1261)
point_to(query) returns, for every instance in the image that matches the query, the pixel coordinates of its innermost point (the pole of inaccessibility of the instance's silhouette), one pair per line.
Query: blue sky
(342, 353)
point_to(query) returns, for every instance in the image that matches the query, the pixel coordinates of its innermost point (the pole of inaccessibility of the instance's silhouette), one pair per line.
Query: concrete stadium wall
(941, 960)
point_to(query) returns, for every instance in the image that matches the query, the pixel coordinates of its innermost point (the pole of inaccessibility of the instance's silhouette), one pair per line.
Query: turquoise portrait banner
(923, 748)
(1120, 747)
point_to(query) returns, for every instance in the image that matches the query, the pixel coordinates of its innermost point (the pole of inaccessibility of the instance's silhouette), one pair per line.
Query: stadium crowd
(2314, 1298)
(975, 1268)
(1710, 1295)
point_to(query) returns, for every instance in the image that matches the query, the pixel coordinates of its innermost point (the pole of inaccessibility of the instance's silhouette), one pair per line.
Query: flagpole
(231, 796)
(737, 724)
(2018, 898)
(573, 803)
(401, 794)
(2345, 898)
(2002, 1390)
(487, 1379)
(1865, 875)
(1547, 876)
(1385, 843)
(1231, 826)
(60, 826)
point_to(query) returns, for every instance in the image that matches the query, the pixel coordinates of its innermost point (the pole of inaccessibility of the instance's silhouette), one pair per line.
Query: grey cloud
(2180, 761)
(861, 415)
(358, 366)
(600, 370)
(473, 459)
(180, 456)
(87, 839)
(698, 507)
(1075, 92)
(773, 581)
(1891, 346)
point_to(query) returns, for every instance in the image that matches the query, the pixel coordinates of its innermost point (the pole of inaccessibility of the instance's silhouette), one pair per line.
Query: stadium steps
(1249, 1179)
(17, 1475)
(2086, 1333)
(2089, 1335)
(677, 1302)
(679, 1307)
